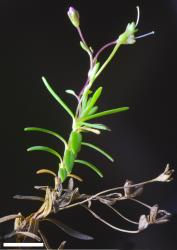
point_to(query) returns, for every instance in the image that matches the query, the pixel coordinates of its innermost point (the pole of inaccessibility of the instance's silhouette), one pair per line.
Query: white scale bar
(23, 244)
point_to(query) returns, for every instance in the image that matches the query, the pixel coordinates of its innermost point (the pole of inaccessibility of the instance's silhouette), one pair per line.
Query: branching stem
(106, 191)
(108, 224)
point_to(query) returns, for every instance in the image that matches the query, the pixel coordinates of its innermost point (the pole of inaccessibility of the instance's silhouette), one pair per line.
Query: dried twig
(57, 199)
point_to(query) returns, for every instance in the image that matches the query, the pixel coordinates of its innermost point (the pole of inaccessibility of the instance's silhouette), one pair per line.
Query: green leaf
(68, 160)
(95, 125)
(98, 149)
(90, 165)
(88, 101)
(85, 99)
(92, 72)
(93, 100)
(104, 113)
(57, 98)
(93, 110)
(46, 131)
(71, 92)
(84, 47)
(75, 141)
(45, 149)
(62, 173)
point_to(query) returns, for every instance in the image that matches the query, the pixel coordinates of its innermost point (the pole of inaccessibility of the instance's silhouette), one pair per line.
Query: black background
(36, 38)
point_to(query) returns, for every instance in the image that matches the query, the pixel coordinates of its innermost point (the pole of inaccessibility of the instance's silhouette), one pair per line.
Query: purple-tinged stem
(82, 90)
(91, 60)
(95, 59)
(81, 36)
(102, 49)
(84, 41)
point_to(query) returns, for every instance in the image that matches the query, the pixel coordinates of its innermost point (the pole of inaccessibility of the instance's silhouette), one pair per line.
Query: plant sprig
(87, 106)
(56, 197)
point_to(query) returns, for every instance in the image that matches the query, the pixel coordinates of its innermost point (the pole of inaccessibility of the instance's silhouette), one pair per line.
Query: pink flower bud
(73, 15)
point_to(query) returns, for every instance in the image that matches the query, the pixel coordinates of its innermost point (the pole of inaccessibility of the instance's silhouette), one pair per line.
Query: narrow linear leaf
(93, 110)
(43, 188)
(88, 101)
(71, 92)
(84, 47)
(93, 130)
(75, 141)
(93, 100)
(95, 125)
(34, 198)
(68, 160)
(9, 235)
(57, 98)
(69, 230)
(45, 149)
(44, 239)
(62, 173)
(98, 149)
(104, 113)
(28, 234)
(84, 101)
(46, 131)
(45, 171)
(92, 72)
(74, 176)
(9, 217)
(90, 165)
(61, 246)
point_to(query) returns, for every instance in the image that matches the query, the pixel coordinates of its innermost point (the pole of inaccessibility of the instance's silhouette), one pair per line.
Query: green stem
(116, 47)
(70, 154)
(85, 95)
(108, 59)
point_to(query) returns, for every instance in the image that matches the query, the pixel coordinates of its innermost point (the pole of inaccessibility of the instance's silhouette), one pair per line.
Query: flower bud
(73, 15)
(128, 36)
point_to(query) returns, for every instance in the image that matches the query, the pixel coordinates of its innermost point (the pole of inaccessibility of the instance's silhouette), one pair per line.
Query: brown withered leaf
(157, 216)
(130, 191)
(166, 176)
(127, 188)
(9, 217)
(44, 239)
(28, 197)
(62, 245)
(153, 214)
(164, 217)
(110, 199)
(70, 184)
(66, 198)
(143, 223)
(70, 231)
(29, 234)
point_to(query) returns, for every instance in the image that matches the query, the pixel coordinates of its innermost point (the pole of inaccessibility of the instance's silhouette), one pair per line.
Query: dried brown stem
(108, 224)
